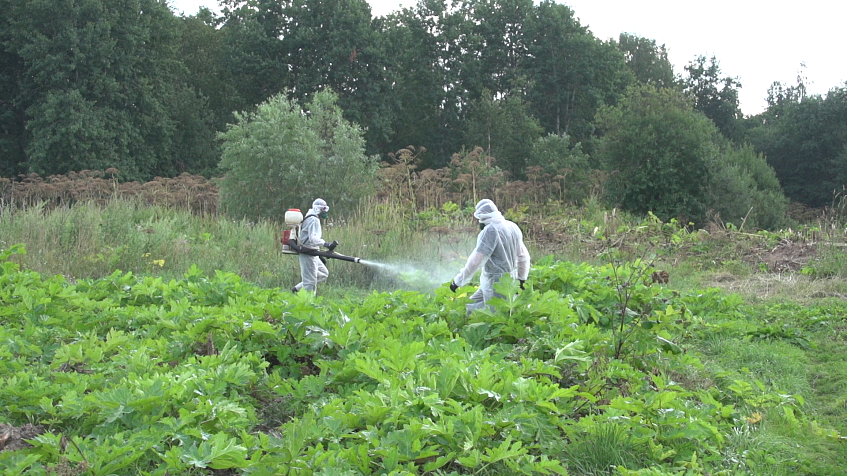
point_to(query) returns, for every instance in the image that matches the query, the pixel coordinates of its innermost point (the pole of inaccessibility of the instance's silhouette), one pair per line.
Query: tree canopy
(98, 84)
(127, 84)
(805, 140)
(671, 160)
(659, 151)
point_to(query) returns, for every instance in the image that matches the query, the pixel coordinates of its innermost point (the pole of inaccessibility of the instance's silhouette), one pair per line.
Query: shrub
(745, 190)
(562, 164)
(669, 159)
(281, 156)
(660, 150)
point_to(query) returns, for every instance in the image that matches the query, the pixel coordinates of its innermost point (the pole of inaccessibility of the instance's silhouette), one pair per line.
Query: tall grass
(89, 240)
(425, 248)
(598, 451)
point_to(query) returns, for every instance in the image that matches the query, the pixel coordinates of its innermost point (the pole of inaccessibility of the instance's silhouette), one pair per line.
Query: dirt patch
(12, 438)
(787, 256)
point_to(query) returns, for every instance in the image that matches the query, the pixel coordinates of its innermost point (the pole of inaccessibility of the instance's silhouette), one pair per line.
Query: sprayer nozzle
(357, 260)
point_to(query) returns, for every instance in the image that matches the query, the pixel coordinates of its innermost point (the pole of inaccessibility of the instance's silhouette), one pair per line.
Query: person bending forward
(499, 250)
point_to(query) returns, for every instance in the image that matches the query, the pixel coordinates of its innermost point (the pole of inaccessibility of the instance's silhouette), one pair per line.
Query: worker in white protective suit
(313, 268)
(499, 250)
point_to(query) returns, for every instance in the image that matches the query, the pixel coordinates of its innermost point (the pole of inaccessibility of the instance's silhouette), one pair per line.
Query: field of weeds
(142, 339)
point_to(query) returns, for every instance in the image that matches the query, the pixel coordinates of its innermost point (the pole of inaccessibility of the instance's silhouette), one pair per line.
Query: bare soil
(12, 438)
(787, 256)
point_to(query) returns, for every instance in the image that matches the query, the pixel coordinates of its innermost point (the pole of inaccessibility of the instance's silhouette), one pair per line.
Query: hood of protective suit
(319, 205)
(486, 212)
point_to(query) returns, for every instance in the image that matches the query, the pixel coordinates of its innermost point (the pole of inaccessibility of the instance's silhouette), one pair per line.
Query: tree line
(127, 84)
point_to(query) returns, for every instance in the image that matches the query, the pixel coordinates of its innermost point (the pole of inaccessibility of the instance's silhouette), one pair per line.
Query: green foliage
(622, 300)
(204, 52)
(669, 160)
(715, 97)
(565, 163)
(504, 129)
(280, 157)
(745, 190)
(659, 150)
(831, 262)
(572, 73)
(647, 61)
(93, 84)
(134, 374)
(98, 86)
(603, 446)
(303, 47)
(421, 46)
(804, 140)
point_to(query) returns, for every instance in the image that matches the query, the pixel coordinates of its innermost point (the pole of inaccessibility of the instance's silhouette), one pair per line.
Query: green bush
(745, 190)
(555, 155)
(659, 150)
(669, 159)
(281, 157)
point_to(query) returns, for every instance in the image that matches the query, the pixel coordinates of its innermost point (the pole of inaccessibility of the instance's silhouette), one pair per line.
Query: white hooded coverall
(499, 250)
(312, 270)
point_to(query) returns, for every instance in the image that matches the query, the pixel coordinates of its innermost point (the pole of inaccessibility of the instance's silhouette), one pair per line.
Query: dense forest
(130, 85)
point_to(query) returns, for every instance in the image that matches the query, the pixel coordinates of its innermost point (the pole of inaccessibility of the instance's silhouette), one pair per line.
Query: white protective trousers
(499, 250)
(312, 270)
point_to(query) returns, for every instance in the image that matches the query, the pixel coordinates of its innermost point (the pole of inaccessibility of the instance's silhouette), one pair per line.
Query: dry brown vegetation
(469, 177)
(189, 192)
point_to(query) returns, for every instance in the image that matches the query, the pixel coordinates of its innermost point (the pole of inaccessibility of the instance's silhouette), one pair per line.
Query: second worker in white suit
(499, 250)
(312, 268)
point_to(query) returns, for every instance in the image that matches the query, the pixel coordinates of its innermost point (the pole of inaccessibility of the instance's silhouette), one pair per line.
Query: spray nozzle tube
(326, 254)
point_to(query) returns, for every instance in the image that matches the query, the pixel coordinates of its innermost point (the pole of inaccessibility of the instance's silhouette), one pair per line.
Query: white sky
(756, 41)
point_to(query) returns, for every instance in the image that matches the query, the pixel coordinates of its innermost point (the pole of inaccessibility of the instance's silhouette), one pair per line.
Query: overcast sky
(756, 41)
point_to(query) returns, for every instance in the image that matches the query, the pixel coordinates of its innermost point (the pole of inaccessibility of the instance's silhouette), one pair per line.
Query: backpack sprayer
(293, 219)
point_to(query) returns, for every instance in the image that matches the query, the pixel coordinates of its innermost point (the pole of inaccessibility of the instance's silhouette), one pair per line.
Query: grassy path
(827, 373)
(828, 376)
(822, 323)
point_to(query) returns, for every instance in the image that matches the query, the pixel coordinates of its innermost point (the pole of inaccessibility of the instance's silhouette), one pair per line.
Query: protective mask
(481, 225)
(322, 214)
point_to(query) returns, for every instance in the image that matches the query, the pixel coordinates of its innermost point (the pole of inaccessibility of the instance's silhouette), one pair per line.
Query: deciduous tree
(714, 96)
(504, 129)
(427, 47)
(497, 62)
(646, 60)
(99, 86)
(670, 159)
(805, 142)
(282, 156)
(571, 73)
